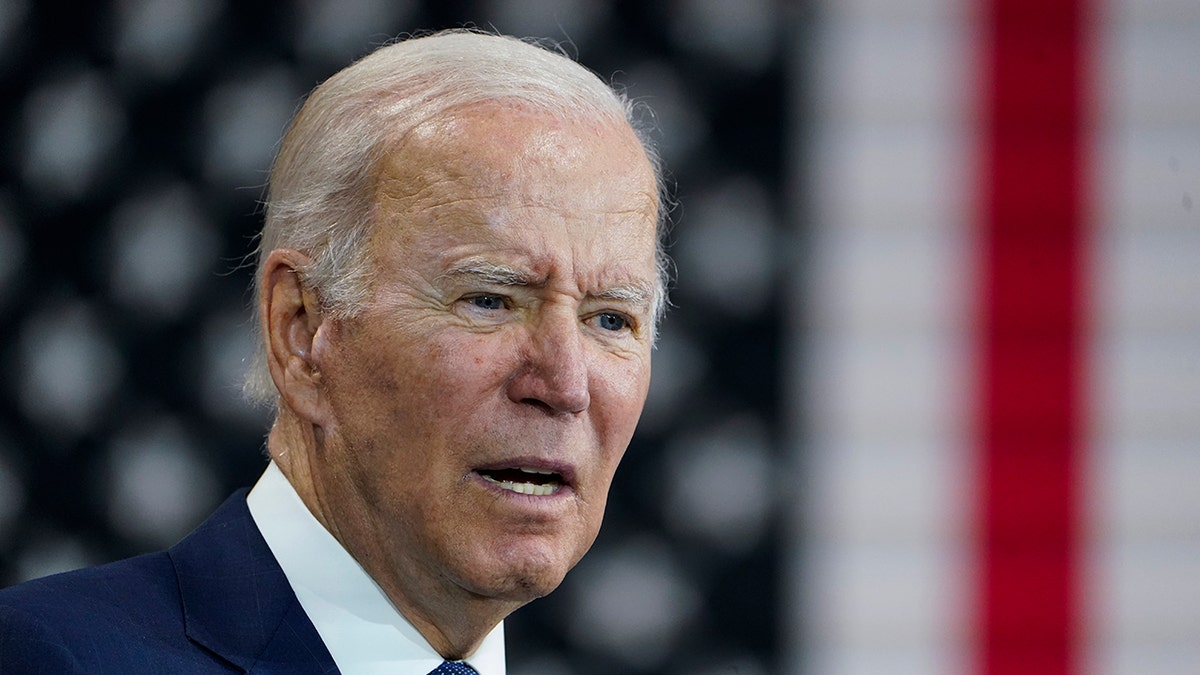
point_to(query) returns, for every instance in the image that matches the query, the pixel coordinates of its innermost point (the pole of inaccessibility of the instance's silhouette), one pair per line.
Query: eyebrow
(489, 272)
(633, 294)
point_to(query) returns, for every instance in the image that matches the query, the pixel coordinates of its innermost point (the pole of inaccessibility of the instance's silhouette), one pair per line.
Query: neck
(452, 619)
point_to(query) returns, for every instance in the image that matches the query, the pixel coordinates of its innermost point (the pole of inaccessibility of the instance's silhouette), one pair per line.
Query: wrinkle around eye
(626, 326)
(490, 309)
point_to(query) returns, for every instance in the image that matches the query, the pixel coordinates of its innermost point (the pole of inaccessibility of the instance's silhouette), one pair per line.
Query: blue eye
(488, 302)
(613, 322)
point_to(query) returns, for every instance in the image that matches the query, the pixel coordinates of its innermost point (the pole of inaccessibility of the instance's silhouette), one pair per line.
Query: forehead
(500, 176)
(500, 147)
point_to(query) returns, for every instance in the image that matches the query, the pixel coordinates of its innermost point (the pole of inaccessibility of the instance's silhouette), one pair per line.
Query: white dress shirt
(363, 630)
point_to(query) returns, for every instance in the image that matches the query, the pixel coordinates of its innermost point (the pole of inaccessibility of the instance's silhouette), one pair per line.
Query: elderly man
(459, 282)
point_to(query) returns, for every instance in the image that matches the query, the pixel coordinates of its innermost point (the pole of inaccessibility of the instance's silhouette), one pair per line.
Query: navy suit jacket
(217, 602)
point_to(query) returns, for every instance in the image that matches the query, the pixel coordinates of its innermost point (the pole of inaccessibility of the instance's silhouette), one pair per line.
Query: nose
(553, 373)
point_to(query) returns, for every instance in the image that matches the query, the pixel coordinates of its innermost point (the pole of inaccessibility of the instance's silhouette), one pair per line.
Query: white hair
(319, 200)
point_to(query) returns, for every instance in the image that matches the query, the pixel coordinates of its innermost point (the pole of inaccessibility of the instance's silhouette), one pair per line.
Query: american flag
(1000, 320)
(929, 401)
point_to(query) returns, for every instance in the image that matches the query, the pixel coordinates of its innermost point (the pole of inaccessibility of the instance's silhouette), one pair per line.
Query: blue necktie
(454, 668)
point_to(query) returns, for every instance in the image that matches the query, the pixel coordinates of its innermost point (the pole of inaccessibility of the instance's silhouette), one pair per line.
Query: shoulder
(90, 616)
(134, 587)
(127, 616)
(30, 645)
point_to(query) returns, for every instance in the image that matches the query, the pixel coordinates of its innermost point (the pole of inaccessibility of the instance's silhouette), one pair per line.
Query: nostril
(535, 402)
(542, 405)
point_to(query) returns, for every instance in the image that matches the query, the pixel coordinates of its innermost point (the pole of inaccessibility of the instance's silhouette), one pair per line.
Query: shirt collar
(362, 629)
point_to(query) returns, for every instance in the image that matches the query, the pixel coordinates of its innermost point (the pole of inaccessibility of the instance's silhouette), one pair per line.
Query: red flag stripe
(1031, 315)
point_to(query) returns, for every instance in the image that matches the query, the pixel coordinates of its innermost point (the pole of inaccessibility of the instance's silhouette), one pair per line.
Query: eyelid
(632, 325)
(635, 312)
(469, 298)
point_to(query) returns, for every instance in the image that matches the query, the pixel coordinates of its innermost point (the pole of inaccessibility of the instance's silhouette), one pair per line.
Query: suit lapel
(237, 602)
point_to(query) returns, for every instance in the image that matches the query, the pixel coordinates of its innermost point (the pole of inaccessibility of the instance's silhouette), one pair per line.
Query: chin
(517, 576)
(526, 588)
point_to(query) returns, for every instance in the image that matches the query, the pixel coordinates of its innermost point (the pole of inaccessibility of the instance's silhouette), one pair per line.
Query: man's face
(478, 407)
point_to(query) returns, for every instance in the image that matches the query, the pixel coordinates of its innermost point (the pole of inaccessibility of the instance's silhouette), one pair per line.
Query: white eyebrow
(498, 274)
(634, 294)
(489, 272)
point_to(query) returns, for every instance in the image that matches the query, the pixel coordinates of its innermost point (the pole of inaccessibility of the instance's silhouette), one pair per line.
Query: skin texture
(509, 325)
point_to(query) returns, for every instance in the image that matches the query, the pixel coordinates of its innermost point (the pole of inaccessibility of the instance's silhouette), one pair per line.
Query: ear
(291, 317)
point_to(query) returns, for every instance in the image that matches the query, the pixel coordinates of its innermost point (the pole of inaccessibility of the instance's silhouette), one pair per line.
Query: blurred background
(929, 397)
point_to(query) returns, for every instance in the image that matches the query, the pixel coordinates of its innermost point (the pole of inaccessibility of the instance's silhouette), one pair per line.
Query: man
(459, 282)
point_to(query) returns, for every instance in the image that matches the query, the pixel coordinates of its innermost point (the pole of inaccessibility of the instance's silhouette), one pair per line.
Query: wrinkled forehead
(498, 148)
(502, 176)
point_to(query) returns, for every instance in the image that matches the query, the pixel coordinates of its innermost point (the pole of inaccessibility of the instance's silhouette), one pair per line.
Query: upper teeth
(540, 490)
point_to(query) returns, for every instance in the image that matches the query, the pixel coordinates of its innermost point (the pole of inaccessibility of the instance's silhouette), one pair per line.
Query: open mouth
(524, 480)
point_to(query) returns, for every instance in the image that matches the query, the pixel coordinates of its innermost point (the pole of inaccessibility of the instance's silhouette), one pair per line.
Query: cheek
(616, 409)
(625, 386)
(381, 384)
(461, 372)
(475, 357)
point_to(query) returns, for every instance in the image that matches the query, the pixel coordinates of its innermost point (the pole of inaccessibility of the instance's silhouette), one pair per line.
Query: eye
(490, 302)
(611, 321)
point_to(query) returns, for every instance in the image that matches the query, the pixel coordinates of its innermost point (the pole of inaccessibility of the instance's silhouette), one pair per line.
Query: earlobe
(291, 318)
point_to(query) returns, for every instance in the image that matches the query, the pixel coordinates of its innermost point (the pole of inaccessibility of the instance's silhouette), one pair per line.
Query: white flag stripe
(1142, 594)
(885, 574)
